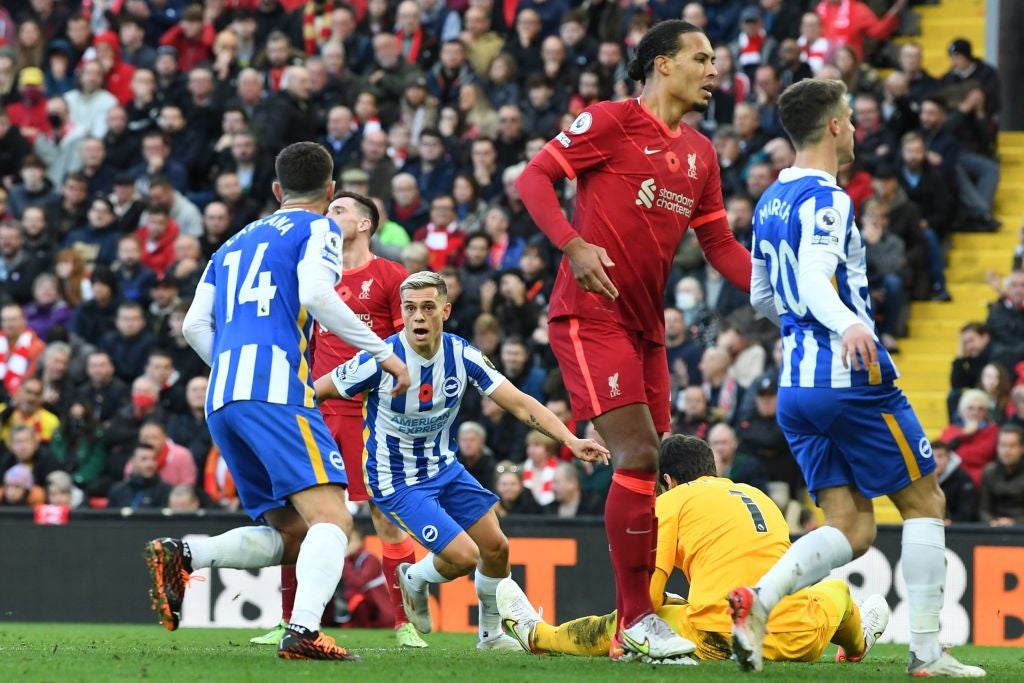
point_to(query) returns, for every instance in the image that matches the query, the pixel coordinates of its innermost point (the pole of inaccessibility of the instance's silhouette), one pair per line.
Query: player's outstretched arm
(198, 326)
(528, 410)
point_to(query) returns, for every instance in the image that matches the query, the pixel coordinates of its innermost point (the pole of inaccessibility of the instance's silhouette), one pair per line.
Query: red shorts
(347, 430)
(605, 366)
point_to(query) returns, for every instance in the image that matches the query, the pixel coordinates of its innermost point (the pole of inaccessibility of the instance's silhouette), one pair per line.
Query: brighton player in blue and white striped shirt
(851, 429)
(250, 321)
(411, 469)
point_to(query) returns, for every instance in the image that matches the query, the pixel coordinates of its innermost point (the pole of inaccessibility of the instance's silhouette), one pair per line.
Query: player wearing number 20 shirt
(640, 187)
(846, 424)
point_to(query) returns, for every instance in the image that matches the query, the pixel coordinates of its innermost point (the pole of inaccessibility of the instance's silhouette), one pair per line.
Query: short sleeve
(825, 223)
(585, 144)
(359, 374)
(481, 371)
(711, 206)
(323, 245)
(209, 275)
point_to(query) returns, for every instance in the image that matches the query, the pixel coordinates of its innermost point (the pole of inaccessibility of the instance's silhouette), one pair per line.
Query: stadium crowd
(136, 136)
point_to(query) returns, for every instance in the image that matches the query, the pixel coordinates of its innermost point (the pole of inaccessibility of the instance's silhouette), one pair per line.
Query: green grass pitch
(85, 652)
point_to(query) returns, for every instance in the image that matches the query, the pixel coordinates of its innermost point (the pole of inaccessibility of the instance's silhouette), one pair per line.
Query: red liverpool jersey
(639, 187)
(371, 291)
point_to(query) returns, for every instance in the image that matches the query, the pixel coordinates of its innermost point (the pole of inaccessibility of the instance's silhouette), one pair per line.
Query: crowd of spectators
(136, 136)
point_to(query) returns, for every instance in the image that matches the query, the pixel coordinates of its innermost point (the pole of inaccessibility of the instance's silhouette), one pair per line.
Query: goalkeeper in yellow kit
(720, 534)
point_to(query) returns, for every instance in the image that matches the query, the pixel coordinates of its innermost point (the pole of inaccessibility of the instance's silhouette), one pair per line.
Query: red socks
(288, 585)
(394, 555)
(632, 538)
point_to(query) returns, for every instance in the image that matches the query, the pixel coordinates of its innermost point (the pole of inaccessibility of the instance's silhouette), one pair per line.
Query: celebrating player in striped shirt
(250, 321)
(411, 469)
(851, 429)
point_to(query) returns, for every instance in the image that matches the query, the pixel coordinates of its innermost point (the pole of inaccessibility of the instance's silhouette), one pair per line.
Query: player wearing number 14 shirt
(250, 321)
(643, 179)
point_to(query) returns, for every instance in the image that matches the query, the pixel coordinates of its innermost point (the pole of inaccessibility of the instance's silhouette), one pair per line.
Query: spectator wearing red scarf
(442, 236)
(419, 44)
(20, 348)
(174, 463)
(849, 22)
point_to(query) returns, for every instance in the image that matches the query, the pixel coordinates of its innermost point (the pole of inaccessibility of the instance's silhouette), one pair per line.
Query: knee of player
(465, 558)
(861, 537)
(496, 551)
(639, 456)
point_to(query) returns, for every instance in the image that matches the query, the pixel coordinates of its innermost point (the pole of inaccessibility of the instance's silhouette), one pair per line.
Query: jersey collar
(409, 351)
(658, 122)
(794, 173)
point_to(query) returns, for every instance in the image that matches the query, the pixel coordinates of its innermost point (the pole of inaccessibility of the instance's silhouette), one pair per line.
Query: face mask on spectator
(143, 402)
(33, 94)
(56, 121)
(685, 301)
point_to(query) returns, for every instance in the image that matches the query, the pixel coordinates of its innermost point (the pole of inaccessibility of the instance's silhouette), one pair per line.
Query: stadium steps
(943, 23)
(927, 353)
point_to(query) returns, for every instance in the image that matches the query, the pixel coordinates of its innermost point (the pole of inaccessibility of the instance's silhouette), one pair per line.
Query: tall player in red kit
(369, 286)
(643, 178)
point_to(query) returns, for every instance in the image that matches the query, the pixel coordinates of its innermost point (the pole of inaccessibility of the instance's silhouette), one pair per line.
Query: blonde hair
(424, 279)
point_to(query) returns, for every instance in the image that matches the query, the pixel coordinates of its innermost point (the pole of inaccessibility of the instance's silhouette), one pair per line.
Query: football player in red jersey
(369, 286)
(643, 178)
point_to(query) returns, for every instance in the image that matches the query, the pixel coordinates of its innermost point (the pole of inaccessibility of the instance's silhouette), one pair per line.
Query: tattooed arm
(529, 410)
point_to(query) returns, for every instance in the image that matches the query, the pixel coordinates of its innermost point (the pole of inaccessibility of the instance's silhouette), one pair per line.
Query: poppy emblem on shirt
(426, 393)
(673, 162)
(345, 292)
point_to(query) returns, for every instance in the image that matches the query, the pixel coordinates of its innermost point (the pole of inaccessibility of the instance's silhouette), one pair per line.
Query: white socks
(247, 547)
(807, 561)
(924, 571)
(424, 572)
(317, 572)
(490, 620)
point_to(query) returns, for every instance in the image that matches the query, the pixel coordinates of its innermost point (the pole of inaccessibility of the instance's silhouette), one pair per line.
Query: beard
(701, 107)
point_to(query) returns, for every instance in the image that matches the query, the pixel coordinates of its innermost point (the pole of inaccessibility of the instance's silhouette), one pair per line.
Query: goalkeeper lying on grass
(720, 534)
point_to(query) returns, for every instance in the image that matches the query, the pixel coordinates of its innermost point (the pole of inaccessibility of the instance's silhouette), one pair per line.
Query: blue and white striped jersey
(802, 218)
(412, 438)
(261, 336)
